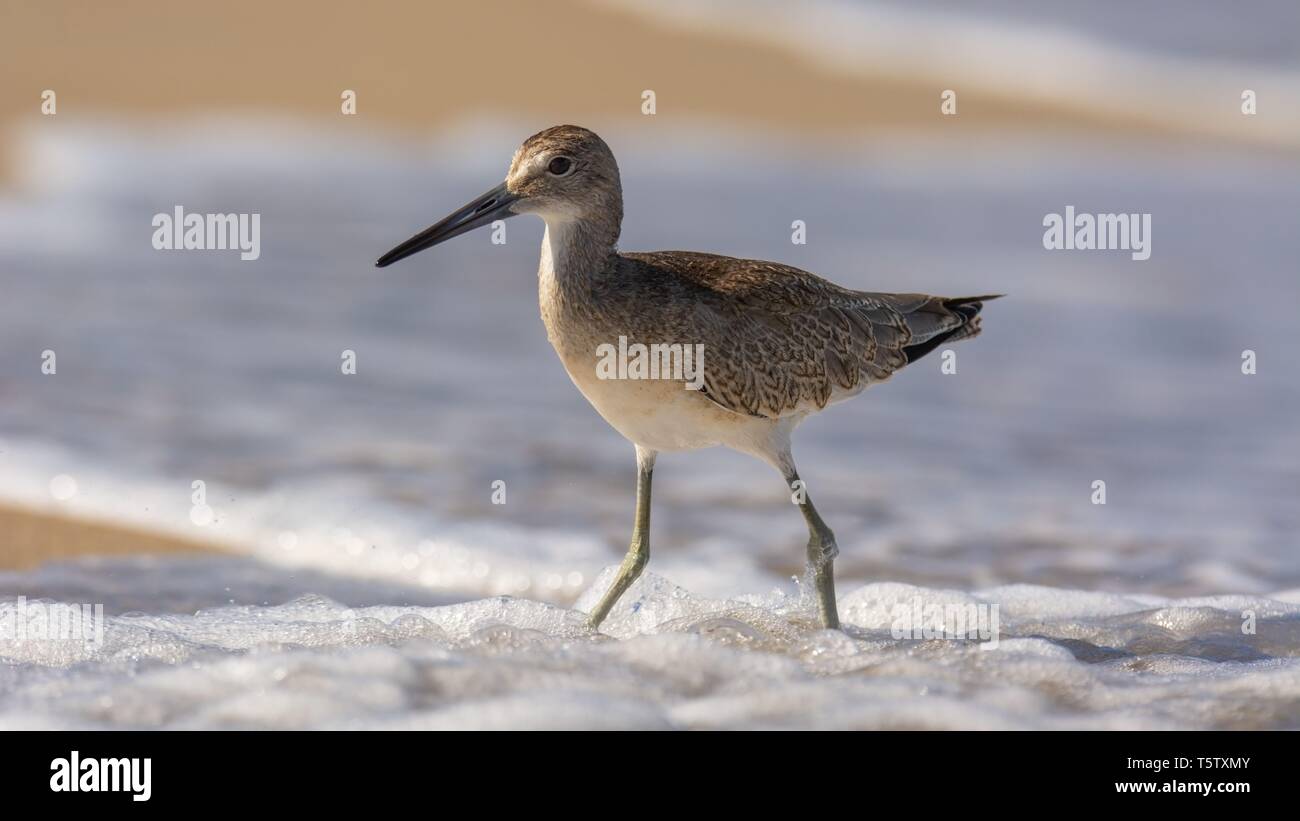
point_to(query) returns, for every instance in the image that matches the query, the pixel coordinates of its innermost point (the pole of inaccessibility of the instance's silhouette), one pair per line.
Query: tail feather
(966, 307)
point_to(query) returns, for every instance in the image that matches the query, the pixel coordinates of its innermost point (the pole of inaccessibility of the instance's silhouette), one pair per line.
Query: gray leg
(822, 551)
(639, 553)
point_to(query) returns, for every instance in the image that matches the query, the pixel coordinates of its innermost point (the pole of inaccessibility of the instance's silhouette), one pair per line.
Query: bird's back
(778, 340)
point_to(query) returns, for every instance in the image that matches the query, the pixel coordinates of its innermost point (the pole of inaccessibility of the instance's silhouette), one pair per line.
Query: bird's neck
(574, 253)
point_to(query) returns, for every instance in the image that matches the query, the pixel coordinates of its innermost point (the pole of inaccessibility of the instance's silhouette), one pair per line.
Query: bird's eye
(560, 166)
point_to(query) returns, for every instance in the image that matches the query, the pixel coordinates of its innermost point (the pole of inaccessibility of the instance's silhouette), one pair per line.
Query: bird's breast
(648, 406)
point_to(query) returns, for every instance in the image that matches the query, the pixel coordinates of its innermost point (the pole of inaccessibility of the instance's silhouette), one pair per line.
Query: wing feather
(782, 341)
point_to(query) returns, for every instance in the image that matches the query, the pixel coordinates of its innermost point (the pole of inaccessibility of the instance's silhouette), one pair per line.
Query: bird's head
(562, 174)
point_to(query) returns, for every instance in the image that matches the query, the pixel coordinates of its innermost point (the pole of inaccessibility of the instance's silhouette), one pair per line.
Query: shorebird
(779, 343)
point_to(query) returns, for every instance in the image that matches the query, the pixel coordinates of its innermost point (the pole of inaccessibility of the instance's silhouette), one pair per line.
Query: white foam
(680, 661)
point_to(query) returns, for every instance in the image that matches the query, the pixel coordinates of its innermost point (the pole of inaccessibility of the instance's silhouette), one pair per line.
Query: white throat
(558, 251)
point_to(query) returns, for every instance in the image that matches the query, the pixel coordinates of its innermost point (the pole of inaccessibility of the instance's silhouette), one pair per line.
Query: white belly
(656, 414)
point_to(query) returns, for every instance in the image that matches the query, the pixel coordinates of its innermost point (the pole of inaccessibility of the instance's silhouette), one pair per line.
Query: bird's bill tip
(493, 205)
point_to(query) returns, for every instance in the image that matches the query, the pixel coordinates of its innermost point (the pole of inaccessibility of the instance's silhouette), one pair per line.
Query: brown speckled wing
(779, 340)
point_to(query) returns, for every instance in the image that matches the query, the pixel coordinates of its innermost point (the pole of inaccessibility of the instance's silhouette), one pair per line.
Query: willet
(779, 343)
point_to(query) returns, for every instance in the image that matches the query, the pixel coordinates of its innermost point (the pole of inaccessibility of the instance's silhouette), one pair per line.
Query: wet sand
(29, 538)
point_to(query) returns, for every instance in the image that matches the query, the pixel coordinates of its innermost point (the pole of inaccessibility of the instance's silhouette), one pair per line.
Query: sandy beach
(419, 66)
(33, 537)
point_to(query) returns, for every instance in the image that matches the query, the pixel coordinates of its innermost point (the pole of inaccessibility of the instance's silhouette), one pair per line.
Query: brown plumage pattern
(779, 340)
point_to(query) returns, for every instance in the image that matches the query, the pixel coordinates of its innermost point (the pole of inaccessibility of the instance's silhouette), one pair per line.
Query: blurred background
(376, 488)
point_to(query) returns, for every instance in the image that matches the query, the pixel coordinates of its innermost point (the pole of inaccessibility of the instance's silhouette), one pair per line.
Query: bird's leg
(822, 551)
(639, 553)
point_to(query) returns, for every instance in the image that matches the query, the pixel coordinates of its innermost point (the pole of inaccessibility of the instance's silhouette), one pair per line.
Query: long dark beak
(493, 205)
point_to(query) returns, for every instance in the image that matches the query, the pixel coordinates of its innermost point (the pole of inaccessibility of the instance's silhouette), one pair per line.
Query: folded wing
(783, 341)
